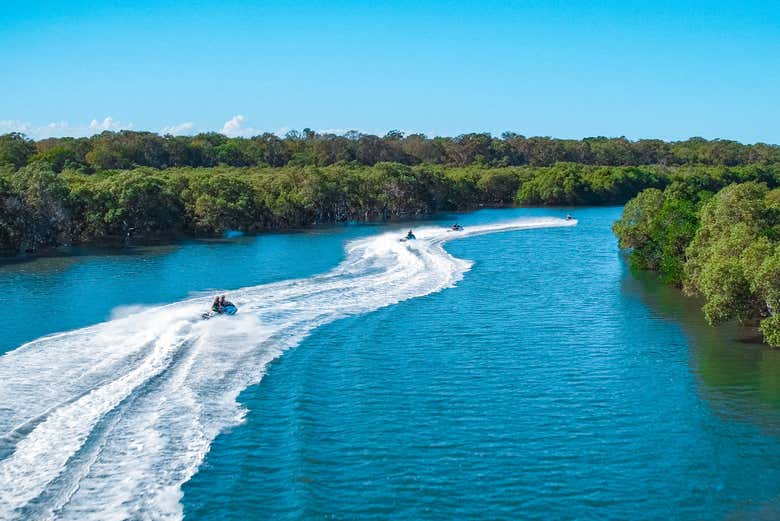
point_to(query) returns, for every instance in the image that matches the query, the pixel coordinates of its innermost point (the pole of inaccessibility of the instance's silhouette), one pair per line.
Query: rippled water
(549, 383)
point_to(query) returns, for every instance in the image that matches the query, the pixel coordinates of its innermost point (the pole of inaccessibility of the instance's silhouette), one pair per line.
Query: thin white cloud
(234, 127)
(336, 131)
(61, 128)
(178, 130)
(108, 123)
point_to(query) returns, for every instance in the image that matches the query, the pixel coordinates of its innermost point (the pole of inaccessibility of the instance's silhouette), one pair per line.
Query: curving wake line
(107, 422)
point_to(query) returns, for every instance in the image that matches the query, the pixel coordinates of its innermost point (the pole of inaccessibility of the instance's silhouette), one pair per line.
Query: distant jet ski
(455, 228)
(569, 217)
(409, 237)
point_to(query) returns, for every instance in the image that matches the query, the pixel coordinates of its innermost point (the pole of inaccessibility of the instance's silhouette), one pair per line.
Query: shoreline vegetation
(147, 187)
(703, 214)
(714, 238)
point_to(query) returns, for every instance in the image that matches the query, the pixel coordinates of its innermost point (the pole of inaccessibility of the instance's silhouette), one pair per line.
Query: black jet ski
(569, 217)
(455, 228)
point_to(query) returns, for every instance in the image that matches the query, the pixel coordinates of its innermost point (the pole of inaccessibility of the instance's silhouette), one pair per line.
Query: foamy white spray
(107, 422)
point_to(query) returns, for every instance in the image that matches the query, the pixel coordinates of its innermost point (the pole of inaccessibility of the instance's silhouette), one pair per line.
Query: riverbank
(131, 246)
(40, 208)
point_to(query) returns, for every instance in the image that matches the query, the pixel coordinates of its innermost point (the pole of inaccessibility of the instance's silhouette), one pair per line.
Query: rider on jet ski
(220, 304)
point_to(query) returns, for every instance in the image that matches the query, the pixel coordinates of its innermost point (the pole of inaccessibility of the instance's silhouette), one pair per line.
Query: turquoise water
(543, 381)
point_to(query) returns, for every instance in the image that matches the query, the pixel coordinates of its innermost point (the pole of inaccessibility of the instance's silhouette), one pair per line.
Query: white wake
(107, 422)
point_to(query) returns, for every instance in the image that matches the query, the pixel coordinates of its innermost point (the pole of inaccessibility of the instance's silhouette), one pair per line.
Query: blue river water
(521, 372)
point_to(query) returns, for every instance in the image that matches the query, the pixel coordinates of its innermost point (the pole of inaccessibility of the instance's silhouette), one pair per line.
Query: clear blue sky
(654, 68)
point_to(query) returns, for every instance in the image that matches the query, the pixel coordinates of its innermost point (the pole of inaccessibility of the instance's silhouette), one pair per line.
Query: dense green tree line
(40, 207)
(714, 236)
(129, 149)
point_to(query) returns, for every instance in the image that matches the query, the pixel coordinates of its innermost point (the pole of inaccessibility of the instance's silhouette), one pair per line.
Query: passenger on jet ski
(410, 236)
(220, 306)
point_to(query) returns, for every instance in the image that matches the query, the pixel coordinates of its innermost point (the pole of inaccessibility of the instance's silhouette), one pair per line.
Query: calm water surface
(550, 383)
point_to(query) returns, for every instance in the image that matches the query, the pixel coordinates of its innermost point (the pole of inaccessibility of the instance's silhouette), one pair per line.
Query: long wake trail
(107, 422)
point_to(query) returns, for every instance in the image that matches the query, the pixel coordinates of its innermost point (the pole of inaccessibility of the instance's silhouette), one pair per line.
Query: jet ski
(455, 228)
(409, 237)
(569, 217)
(228, 309)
